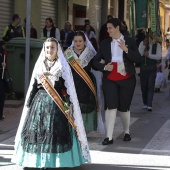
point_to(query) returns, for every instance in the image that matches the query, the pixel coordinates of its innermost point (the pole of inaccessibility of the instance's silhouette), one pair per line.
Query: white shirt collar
(116, 40)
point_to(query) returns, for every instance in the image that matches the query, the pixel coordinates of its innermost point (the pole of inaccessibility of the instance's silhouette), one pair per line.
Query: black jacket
(104, 52)
(69, 39)
(13, 32)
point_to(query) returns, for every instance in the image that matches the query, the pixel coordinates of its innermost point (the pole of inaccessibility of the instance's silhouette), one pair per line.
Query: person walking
(119, 54)
(81, 52)
(150, 52)
(51, 132)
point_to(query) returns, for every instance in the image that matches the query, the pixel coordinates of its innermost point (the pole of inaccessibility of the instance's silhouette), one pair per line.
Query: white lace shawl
(62, 65)
(85, 57)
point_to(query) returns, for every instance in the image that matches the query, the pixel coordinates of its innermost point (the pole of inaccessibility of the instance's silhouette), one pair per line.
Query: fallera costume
(45, 138)
(85, 95)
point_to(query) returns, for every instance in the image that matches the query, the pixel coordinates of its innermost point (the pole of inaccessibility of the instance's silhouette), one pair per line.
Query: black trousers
(118, 94)
(2, 97)
(147, 80)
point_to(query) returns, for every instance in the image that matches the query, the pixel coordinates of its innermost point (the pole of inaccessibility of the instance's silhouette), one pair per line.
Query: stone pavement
(149, 148)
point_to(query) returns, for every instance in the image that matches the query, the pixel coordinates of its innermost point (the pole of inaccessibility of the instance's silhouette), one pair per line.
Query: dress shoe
(127, 137)
(107, 141)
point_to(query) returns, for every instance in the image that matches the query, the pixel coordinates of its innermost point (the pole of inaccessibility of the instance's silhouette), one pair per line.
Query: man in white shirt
(151, 52)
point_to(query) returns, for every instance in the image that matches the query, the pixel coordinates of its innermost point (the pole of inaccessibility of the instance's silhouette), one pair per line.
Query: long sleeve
(141, 48)
(158, 54)
(96, 65)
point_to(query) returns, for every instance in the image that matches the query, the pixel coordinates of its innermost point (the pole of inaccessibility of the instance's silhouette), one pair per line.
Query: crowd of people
(76, 81)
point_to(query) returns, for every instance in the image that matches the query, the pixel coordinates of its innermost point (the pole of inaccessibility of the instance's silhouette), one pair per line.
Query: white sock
(125, 118)
(110, 117)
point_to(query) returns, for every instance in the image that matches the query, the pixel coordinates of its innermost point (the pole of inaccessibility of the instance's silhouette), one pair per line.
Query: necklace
(49, 63)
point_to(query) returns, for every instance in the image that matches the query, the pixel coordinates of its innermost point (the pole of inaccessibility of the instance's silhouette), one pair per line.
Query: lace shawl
(85, 57)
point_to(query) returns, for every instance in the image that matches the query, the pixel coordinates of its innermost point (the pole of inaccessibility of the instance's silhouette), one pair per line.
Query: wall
(62, 12)
(35, 12)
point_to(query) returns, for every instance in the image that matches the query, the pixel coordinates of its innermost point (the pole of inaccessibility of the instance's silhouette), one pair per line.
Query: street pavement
(148, 149)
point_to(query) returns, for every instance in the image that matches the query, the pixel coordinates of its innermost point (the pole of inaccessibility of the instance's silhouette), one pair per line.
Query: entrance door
(79, 15)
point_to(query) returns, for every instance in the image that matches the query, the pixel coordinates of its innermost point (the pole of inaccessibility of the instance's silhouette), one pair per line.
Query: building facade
(60, 11)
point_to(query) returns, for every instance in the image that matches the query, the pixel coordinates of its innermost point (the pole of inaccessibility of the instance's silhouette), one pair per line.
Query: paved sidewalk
(12, 113)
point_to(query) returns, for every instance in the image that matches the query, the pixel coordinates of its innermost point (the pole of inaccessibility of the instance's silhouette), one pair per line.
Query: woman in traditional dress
(51, 132)
(79, 56)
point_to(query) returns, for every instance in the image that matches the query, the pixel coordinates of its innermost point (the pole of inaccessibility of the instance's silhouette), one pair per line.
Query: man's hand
(109, 67)
(122, 45)
(146, 53)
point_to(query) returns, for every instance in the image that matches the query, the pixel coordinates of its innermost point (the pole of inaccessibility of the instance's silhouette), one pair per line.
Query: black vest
(13, 32)
(52, 32)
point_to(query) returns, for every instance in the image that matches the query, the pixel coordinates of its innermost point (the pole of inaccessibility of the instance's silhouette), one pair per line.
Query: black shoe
(107, 141)
(127, 137)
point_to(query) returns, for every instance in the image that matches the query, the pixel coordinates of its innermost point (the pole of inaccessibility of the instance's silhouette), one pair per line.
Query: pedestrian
(150, 52)
(2, 85)
(88, 32)
(166, 60)
(50, 30)
(119, 54)
(124, 29)
(51, 132)
(33, 31)
(14, 29)
(87, 22)
(82, 52)
(103, 33)
(67, 35)
(160, 81)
